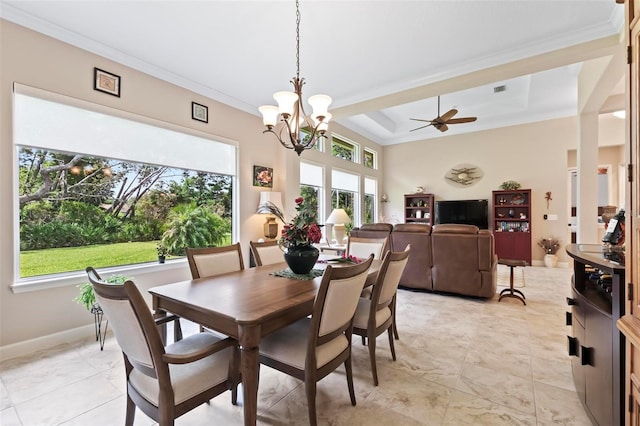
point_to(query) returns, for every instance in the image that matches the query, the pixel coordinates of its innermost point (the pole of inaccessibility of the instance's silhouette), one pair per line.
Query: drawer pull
(586, 356)
(568, 318)
(571, 301)
(573, 346)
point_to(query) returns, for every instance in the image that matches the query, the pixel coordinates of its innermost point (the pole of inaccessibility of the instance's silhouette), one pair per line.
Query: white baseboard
(45, 342)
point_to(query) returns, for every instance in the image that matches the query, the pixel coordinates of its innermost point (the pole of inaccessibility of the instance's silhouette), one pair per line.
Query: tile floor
(460, 361)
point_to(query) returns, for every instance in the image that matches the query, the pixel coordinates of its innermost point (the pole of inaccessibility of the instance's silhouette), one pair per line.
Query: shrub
(192, 226)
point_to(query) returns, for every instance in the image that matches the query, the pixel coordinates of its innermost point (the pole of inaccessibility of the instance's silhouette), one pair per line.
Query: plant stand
(98, 315)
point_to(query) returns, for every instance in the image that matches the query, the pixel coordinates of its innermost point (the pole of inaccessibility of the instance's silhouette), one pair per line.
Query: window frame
(20, 285)
(346, 141)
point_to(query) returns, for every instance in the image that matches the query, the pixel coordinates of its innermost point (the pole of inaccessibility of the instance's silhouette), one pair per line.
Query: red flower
(299, 200)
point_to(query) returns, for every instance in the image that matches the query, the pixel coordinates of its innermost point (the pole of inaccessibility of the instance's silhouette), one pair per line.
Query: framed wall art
(106, 82)
(199, 112)
(263, 176)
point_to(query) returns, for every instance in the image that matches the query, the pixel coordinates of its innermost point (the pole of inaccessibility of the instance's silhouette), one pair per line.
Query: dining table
(245, 305)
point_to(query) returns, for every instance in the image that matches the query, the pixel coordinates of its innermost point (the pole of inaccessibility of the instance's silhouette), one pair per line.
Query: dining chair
(313, 347)
(177, 328)
(376, 315)
(362, 247)
(266, 253)
(210, 261)
(164, 382)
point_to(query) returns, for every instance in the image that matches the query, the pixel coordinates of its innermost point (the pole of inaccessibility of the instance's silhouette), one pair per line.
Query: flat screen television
(470, 212)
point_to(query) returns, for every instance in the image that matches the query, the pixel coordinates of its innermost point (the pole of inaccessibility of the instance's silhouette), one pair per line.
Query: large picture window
(100, 190)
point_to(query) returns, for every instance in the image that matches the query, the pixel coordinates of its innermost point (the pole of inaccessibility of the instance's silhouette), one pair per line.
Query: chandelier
(296, 130)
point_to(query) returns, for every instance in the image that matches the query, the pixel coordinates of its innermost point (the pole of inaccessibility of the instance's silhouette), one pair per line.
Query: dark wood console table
(596, 346)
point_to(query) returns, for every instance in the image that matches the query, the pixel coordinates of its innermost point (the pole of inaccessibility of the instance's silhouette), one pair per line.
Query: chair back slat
(266, 253)
(338, 297)
(389, 277)
(124, 307)
(362, 247)
(211, 261)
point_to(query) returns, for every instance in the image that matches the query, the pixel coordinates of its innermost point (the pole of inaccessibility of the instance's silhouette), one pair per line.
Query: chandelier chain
(297, 39)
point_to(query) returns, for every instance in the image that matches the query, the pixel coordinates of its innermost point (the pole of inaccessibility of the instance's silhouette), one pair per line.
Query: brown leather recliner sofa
(448, 258)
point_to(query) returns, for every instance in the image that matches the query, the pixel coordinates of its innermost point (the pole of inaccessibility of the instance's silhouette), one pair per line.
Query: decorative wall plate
(463, 175)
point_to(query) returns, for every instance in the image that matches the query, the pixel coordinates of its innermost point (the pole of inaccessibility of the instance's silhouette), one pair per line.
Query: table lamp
(338, 218)
(273, 199)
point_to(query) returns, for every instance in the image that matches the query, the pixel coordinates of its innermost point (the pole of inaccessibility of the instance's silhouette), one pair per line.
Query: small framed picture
(199, 112)
(263, 176)
(106, 82)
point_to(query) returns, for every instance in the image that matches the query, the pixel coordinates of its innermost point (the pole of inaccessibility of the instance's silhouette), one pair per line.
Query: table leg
(250, 370)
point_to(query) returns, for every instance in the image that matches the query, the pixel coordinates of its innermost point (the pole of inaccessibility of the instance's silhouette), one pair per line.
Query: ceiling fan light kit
(441, 121)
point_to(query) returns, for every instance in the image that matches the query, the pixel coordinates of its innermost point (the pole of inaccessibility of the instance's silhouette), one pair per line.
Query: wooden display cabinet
(511, 224)
(418, 208)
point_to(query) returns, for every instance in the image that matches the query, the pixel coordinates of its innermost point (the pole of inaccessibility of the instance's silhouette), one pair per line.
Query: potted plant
(550, 246)
(88, 299)
(163, 252)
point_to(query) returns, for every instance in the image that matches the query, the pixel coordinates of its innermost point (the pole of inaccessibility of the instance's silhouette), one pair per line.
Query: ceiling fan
(441, 121)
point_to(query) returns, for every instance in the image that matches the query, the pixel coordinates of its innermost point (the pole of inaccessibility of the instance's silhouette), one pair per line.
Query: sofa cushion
(454, 228)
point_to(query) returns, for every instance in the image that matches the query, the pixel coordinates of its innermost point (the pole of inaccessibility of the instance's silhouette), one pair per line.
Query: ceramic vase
(550, 260)
(301, 258)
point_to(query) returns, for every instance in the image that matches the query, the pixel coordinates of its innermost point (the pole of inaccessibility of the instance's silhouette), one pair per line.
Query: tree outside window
(83, 205)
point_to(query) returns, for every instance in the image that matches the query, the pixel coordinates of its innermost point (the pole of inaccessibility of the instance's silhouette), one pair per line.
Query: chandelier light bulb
(286, 102)
(269, 115)
(320, 104)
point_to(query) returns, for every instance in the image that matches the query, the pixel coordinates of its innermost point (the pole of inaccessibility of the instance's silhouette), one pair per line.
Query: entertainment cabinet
(511, 224)
(596, 346)
(418, 208)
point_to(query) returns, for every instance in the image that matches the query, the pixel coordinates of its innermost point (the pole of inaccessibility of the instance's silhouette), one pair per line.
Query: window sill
(47, 282)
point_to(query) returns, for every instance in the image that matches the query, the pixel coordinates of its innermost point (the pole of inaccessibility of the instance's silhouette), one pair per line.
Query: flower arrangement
(303, 230)
(549, 245)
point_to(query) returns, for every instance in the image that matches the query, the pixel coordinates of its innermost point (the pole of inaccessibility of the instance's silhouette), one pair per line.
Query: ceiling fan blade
(421, 127)
(462, 120)
(420, 119)
(449, 114)
(443, 127)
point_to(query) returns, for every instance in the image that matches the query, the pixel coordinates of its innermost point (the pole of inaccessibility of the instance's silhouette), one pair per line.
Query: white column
(587, 190)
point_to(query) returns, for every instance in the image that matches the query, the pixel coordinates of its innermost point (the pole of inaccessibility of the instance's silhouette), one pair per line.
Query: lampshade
(267, 198)
(338, 216)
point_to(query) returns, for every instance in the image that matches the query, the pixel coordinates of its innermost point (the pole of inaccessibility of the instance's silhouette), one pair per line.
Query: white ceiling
(382, 62)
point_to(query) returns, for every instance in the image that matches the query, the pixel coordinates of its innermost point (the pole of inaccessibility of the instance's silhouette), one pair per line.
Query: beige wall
(36, 60)
(532, 154)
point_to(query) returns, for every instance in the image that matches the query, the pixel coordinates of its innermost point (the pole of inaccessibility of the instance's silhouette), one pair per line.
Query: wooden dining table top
(249, 295)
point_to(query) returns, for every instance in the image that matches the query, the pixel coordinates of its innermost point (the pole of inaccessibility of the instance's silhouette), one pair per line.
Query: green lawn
(65, 259)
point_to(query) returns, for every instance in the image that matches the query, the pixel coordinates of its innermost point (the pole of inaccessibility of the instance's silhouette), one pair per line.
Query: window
(369, 159)
(311, 185)
(370, 191)
(344, 193)
(343, 148)
(305, 135)
(100, 190)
